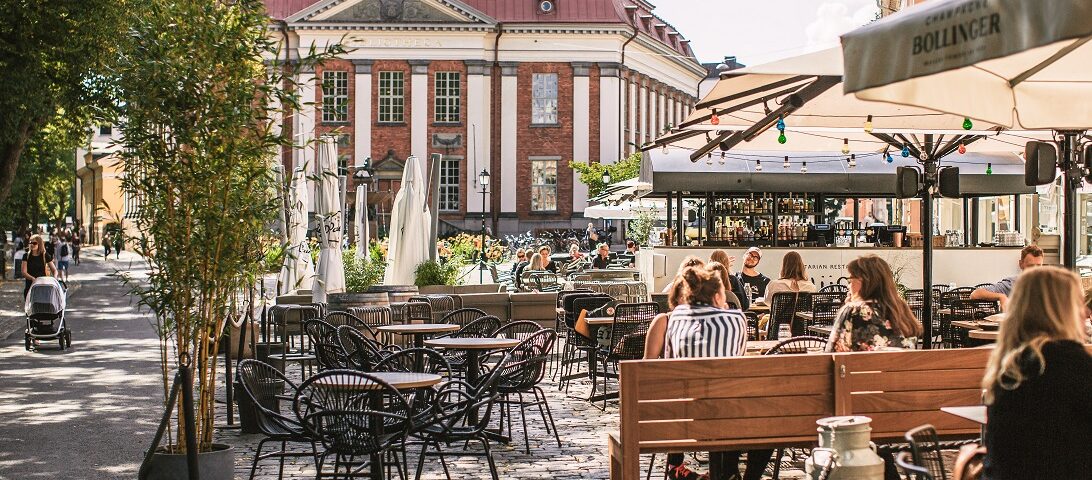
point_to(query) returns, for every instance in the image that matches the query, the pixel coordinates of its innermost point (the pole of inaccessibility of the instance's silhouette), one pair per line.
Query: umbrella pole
(927, 252)
(1071, 181)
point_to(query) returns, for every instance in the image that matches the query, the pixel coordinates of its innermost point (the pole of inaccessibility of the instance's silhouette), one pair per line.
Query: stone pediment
(392, 11)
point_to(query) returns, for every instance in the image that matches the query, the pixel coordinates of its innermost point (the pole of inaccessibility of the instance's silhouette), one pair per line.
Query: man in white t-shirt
(64, 254)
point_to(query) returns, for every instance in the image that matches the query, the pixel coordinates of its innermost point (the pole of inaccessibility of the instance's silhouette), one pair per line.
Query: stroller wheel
(68, 338)
(60, 340)
(26, 341)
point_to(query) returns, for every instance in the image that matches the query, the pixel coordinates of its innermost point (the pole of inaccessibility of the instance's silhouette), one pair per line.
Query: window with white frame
(446, 97)
(335, 96)
(392, 99)
(544, 98)
(544, 184)
(449, 184)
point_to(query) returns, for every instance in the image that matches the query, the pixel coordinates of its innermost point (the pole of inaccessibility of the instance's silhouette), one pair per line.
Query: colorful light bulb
(868, 125)
(781, 138)
(905, 151)
(890, 159)
(967, 125)
(714, 119)
(845, 146)
(781, 124)
(989, 169)
(962, 149)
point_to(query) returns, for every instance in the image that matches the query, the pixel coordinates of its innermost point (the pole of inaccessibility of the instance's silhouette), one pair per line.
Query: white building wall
(419, 115)
(610, 123)
(581, 130)
(509, 101)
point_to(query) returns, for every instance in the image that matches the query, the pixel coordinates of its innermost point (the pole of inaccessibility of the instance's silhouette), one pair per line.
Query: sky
(757, 31)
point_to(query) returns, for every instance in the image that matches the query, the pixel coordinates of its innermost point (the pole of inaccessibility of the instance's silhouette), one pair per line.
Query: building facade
(518, 88)
(100, 200)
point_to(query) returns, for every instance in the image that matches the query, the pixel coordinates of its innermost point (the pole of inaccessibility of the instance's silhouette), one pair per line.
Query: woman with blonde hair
(794, 277)
(38, 263)
(875, 316)
(689, 261)
(725, 279)
(735, 286)
(1037, 390)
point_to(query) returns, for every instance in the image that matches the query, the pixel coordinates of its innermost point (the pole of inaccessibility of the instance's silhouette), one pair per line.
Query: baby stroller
(44, 308)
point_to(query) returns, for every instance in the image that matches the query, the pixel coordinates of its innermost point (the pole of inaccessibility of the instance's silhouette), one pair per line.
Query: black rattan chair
(912, 471)
(408, 360)
(416, 312)
(328, 351)
(835, 288)
(925, 447)
(525, 370)
(338, 319)
(361, 353)
(266, 388)
(797, 345)
(577, 344)
(440, 304)
(824, 308)
(463, 316)
(627, 338)
(354, 414)
(783, 309)
(460, 413)
(968, 311)
(288, 325)
(372, 316)
(518, 330)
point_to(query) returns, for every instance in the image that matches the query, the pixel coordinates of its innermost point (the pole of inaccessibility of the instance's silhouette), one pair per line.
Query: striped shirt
(705, 331)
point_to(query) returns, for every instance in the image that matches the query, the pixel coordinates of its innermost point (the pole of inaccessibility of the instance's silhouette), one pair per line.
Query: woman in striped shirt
(701, 326)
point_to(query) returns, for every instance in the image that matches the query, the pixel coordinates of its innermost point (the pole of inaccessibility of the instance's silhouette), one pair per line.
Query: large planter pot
(395, 293)
(342, 302)
(218, 464)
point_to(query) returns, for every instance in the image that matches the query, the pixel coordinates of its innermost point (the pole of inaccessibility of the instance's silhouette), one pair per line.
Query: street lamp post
(483, 180)
(606, 183)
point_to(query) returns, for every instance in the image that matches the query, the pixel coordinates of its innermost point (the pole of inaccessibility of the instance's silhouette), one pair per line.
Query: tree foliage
(591, 174)
(42, 188)
(55, 57)
(198, 157)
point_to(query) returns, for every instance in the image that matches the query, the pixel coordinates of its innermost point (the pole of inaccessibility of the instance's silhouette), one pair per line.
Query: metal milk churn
(846, 439)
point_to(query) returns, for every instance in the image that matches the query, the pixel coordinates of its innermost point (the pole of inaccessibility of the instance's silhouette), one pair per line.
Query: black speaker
(907, 182)
(1040, 163)
(1088, 163)
(949, 182)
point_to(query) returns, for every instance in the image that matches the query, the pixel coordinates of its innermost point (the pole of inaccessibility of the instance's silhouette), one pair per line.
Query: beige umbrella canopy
(1017, 63)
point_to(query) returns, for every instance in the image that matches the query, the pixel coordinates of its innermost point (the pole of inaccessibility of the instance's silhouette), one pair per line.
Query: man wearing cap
(754, 283)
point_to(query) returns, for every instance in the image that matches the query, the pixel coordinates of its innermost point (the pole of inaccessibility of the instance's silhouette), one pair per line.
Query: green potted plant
(196, 99)
(360, 276)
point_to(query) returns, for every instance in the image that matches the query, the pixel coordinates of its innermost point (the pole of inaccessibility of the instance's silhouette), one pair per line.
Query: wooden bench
(745, 403)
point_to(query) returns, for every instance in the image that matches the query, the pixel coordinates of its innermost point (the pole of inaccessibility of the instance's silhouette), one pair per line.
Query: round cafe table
(472, 346)
(983, 334)
(399, 380)
(419, 330)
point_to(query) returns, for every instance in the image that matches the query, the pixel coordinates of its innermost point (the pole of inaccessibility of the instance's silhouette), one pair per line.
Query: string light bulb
(887, 156)
(989, 169)
(845, 146)
(722, 158)
(714, 119)
(786, 164)
(967, 125)
(962, 148)
(664, 150)
(804, 167)
(853, 161)
(781, 138)
(868, 124)
(758, 165)
(781, 123)
(905, 151)
(709, 159)
(923, 155)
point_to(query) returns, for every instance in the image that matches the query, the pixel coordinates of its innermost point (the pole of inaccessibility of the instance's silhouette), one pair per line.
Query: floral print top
(862, 326)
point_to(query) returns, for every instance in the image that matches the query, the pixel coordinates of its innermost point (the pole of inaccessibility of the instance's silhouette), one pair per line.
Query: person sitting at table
(602, 257)
(754, 283)
(724, 276)
(548, 264)
(722, 257)
(521, 260)
(875, 315)
(1030, 256)
(1036, 389)
(574, 253)
(632, 247)
(699, 325)
(689, 261)
(794, 277)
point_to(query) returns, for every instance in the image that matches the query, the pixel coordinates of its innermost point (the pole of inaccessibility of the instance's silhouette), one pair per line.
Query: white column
(477, 136)
(643, 121)
(632, 118)
(662, 99)
(509, 101)
(362, 124)
(419, 116)
(653, 114)
(672, 119)
(610, 123)
(581, 129)
(304, 128)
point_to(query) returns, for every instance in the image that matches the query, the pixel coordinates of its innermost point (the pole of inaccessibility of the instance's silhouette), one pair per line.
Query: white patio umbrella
(330, 277)
(298, 271)
(362, 222)
(409, 230)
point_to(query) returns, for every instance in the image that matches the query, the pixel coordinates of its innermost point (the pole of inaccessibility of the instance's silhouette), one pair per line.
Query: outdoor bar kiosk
(818, 205)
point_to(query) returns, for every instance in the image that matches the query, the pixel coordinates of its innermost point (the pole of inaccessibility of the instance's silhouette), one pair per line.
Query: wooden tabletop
(821, 330)
(805, 316)
(473, 343)
(983, 334)
(415, 328)
(599, 320)
(399, 380)
(763, 308)
(761, 345)
(974, 413)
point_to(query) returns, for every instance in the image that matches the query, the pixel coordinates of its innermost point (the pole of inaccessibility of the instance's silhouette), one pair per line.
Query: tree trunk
(10, 151)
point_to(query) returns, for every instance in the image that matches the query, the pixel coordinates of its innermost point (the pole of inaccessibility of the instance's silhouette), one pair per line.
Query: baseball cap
(756, 250)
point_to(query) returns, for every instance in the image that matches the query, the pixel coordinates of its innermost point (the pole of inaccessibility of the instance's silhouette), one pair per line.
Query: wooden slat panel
(734, 387)
(699, 409)
(629, 429)
(808, 441)
(896, 424)
(727, 429)
(868, 403)
(735, 367)
(914, 380)
(916, 360)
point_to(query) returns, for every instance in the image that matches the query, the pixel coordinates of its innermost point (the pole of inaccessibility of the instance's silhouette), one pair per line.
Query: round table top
(400, 380)
(983, 334)
(416, 328)
(472, 343)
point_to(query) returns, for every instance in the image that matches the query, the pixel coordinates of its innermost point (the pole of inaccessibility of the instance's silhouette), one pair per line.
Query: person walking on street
(119, 243)
(105, 246)
(64, 259)
(38, 263)
(77, 242)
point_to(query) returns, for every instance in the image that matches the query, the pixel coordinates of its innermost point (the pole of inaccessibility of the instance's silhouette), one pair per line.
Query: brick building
(516, 87)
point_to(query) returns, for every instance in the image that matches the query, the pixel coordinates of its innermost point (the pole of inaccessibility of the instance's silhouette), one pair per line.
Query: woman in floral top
(875, 316)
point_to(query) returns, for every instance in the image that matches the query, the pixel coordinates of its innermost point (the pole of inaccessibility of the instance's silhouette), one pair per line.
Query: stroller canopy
(46, 296)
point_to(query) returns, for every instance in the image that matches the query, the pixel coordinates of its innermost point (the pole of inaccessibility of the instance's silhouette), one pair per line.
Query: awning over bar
(826, 173)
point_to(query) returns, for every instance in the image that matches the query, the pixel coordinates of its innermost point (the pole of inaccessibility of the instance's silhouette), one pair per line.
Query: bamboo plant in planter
(195, 100)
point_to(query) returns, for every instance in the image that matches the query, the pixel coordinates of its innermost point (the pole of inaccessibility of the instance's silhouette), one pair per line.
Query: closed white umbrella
(330, 277)
(409, 230)
(298, 271)
(362, 222)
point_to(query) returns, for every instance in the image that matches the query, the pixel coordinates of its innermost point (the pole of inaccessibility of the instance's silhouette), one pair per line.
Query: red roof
(526, 11)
